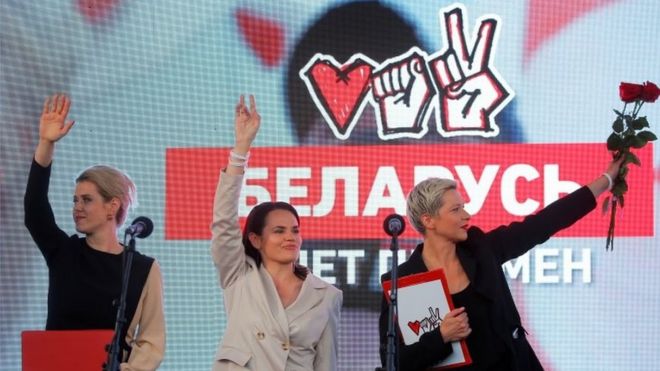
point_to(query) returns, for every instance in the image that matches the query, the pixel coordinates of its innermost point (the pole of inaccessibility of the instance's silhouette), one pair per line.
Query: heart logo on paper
(415, 326)
(340, 90)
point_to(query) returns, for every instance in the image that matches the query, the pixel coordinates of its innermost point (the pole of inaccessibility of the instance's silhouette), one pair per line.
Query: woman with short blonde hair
(426, 198)
(485, 316)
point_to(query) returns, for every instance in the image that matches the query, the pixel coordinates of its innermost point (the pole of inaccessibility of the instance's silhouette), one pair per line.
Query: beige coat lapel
(273, 305)
(311, 295)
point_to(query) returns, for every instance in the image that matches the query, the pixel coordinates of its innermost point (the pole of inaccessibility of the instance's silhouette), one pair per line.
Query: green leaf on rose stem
(647, 135)
(627, 140)
(638, 142)
(623, 171)
(638, 123)
(618, 113)
(628, 119)
(617, 126)
(620, 187)
(614, 142)
(643, 121)
(631, 158)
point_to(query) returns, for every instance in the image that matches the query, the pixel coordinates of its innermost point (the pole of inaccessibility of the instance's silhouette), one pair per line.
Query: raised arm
(226, 245)
(39, 218)
(517, 238)
(246, 126)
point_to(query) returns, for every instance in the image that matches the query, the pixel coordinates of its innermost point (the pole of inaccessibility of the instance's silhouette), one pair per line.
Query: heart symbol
(414, 326)
(339, 90)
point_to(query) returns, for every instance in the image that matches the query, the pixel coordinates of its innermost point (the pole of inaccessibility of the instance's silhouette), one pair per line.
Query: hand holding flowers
(629, 130)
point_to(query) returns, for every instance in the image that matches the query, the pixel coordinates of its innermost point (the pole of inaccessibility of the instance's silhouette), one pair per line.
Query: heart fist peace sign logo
(458, 85)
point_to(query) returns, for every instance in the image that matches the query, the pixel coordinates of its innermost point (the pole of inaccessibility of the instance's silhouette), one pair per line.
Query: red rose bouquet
(629, 130)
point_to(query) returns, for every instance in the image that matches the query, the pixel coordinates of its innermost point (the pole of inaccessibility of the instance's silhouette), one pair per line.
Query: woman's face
(90, 211)
(451, 221)
(280, 239)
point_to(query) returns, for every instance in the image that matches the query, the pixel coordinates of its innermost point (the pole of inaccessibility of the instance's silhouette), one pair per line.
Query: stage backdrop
(356, 108)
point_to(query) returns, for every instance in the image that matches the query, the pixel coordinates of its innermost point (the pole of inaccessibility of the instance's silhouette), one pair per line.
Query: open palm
(53, 124)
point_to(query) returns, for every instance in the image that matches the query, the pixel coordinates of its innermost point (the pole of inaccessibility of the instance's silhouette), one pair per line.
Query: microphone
(394, 225)
(141, 227)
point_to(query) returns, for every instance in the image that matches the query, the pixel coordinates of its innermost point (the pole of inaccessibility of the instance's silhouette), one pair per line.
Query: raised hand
(614, 167)
(471, 92)
(602, 183)
(53, 124)
(246, 125)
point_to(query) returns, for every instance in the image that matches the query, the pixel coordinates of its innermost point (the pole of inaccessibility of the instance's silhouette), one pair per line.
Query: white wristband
(236, 156)
(235, 163)
(609, 181)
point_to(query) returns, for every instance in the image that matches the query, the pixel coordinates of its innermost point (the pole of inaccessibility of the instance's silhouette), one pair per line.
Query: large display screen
(356, 107)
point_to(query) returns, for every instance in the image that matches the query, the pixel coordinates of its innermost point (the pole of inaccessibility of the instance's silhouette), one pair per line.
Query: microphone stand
(392, 354)
(114, 348)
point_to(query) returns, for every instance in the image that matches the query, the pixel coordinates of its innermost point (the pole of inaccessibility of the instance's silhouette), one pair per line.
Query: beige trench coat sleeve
(146, 333)
(326, 349)
(226, 241)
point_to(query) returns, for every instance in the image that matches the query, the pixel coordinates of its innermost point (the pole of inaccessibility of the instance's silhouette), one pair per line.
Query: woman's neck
(287, 284)
(104, 241)
(438, 253)
(279, 272)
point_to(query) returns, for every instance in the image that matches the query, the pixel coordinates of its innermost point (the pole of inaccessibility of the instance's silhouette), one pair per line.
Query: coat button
(515, 333)
(285, 346)
(260, 335)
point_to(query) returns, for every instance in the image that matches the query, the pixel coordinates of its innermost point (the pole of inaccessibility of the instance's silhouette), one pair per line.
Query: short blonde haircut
(111, 183)
(426, 199)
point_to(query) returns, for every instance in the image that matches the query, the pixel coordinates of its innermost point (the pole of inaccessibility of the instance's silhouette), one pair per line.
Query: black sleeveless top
(487, 350)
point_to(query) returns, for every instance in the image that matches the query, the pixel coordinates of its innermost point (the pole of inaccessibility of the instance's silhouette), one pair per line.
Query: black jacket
(482, 256)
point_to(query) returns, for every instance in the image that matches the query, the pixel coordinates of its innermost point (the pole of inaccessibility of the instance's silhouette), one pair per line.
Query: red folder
(65, 350)
(436, 292)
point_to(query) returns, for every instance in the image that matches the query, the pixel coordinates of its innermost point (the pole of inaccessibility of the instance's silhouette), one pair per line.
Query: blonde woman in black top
(84, 273)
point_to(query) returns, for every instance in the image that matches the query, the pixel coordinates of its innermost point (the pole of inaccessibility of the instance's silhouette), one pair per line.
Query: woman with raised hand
(85, 273)
(279, 315)
(485, 316)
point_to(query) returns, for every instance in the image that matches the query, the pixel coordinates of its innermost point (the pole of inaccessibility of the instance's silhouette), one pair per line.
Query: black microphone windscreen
(142, 226)
(394, 224)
